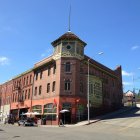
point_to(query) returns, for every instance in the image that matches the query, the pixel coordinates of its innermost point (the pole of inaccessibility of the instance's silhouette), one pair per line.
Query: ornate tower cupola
(68, 45)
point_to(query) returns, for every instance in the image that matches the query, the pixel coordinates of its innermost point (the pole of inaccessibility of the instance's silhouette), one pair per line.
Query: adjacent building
(60, 82)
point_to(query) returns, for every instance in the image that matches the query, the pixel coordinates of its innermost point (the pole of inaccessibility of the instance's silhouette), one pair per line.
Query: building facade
(61, 82)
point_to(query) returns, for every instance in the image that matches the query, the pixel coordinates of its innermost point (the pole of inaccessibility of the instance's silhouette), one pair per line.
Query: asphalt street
(125, 126)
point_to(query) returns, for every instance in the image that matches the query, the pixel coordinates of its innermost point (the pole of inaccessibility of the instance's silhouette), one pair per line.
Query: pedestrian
(61, 123)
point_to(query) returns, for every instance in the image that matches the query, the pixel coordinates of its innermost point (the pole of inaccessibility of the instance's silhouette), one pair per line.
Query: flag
(54, 102)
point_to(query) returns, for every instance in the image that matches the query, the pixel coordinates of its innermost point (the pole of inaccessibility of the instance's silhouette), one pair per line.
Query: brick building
(61, 82)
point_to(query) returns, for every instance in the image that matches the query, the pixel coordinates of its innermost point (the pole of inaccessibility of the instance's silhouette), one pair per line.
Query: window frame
(40, 90)
(68, 67)
(35, 92)
(49, 71)
(48, 87)
(53, 86)
(67, 85)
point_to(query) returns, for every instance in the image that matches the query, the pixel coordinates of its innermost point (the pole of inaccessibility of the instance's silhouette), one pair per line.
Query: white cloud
(135, 47)
(124, 73)
(127, 83)
(4, 60)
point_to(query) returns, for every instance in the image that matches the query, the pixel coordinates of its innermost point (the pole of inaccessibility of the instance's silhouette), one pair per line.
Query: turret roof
(68, 36)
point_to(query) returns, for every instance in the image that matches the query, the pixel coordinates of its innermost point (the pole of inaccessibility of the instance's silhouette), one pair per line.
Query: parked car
(26, 122)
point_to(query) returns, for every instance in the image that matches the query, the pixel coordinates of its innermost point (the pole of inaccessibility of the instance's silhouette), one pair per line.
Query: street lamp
(88, 104)
(88, 95)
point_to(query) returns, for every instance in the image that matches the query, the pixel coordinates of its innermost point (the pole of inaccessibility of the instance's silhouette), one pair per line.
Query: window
(20, 82)
(54, 69)
(53, 87)
(25, 94)
(24, 81)
(35, 91)
(37, 108)
(36, 76)
(68, 47)
(27, 81)
(50, 111)
(22, 96)
(77, 50)
(48, 87)
(15, 85)
(67, 67)
(41, 73)
(29, 94)
(67, 105)
(67, 85)
(30, 79)
(40, 90)
(49, 71)
(81, 51)
(50, 108)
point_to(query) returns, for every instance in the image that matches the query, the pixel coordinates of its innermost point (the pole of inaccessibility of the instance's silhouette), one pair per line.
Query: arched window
(50, 111)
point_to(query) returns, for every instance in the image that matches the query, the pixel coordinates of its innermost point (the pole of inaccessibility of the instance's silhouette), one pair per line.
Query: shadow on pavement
(128, 112)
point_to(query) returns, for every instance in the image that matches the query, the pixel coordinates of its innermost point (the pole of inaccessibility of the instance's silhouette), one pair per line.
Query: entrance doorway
(22, 111)
(66, 117)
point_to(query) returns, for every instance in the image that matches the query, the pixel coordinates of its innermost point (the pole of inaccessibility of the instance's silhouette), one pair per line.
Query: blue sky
(27, 28)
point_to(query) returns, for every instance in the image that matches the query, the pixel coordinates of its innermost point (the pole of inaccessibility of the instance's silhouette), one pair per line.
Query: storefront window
(50, 111)
(37, 108)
